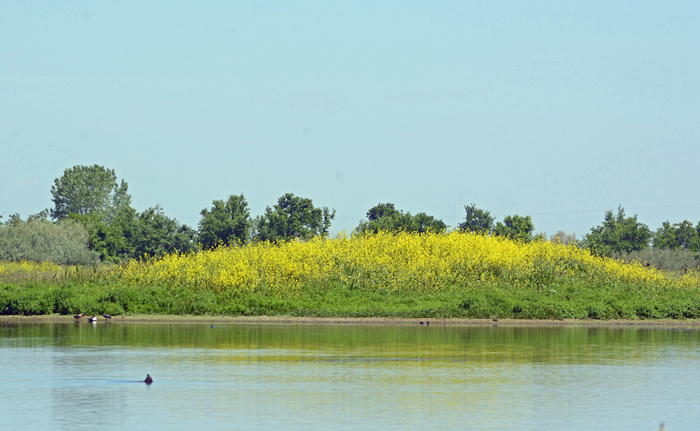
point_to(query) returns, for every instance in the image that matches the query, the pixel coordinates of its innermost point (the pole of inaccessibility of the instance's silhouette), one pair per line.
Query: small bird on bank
(495, 319)
(78, 316)
(93, 319)
(106, 316)
(148, 380)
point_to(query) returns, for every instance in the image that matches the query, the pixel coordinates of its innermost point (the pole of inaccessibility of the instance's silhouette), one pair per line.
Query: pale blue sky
(558, 110)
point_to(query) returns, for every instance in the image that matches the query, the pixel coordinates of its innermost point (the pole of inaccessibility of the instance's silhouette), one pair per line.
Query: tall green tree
(89, 190)
(42, 215)
(106, 239)
(293, 218)
(562, 237)
(665, 237)
(385, 217)
(14, 220)
(227, 222)
(423, 223)
(477, 220)
(618, 233)
(515, 227)
(675, 236)
(155, 234)
(380, 211)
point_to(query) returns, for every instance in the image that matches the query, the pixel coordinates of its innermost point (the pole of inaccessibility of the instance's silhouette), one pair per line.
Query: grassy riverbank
(486, 300)
(453, 275)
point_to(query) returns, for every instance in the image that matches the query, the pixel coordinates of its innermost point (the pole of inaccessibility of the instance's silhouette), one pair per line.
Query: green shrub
(63, 243)
(665, 259)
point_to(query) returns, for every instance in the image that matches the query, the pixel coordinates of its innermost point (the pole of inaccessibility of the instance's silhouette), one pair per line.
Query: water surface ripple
(346, 377)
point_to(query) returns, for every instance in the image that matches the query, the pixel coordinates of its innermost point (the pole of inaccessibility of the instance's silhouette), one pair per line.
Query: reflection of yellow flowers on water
(391, 262)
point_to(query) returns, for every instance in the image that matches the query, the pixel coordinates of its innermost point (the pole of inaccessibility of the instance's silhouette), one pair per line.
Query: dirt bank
(289, 320)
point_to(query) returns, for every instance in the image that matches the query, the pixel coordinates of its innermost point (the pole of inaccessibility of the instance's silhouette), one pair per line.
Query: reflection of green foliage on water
(372, 344)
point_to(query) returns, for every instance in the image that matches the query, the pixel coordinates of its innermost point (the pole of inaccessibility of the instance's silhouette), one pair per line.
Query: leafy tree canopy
(618, 234)
(154, 234)
(15, 219)
(293, 218)
(562, 237)
(477, 220)
(106, 239)
(426, 223)
(89, 190)
(227, 222)
(385, 217)
(682, 236)
(39, 240)
(381, 210)
(515, 227)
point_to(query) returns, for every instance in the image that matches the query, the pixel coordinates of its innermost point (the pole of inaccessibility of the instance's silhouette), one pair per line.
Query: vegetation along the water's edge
(387, 274)
(93, 253)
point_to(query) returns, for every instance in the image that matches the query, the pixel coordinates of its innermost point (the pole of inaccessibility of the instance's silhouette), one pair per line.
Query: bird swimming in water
(148, 380)
(93, 319)
(78, 316)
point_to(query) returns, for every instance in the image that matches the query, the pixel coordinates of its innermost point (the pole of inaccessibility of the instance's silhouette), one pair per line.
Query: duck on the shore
(93, 319)
(78, 316)
(106, 316)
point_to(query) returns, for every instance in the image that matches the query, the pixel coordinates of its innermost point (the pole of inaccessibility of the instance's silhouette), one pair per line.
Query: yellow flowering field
(27, 267)
(390, 262)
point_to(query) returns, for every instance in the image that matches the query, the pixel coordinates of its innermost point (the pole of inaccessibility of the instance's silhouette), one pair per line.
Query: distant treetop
(89, 190)
(385, 217)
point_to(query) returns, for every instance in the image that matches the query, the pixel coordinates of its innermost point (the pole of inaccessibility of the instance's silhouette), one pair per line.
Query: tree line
(93, 209)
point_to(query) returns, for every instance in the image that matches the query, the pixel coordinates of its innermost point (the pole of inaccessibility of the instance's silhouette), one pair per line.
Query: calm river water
(346, 377)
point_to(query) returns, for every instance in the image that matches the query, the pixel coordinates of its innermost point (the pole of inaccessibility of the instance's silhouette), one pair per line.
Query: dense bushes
(412, 275)
(63, 243)
(482, 301)
(385, 217)
(618, 234)
(665, 259)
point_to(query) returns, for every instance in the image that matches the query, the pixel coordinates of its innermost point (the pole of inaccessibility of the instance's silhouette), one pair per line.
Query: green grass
(482, 300)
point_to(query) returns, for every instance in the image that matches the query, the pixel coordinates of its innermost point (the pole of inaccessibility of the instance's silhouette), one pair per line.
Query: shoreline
(291, 320)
